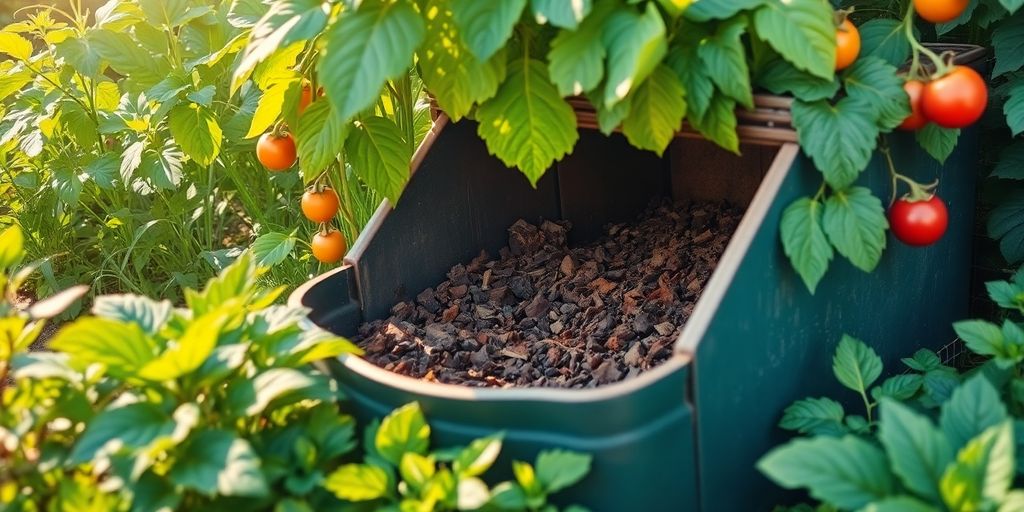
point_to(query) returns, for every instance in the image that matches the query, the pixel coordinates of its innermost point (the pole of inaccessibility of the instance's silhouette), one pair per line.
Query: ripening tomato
(916, 120)
(320, 206)
(275, 152)
(955, 100)
(847, 44)
(329, 247)
(306, 98)
(940, 11)
(919, 223)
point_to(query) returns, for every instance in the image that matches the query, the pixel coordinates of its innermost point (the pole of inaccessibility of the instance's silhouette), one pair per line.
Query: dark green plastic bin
(685, 436)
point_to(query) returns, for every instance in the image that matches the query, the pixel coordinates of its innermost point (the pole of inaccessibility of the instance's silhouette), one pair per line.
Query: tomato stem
(916, 67)
(918, 192)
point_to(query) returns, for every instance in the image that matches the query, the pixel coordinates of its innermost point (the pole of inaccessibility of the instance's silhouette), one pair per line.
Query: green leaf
(404, 430)
(144, 312)
(846, 472)
(12, 78)
(987, 339)
(16, 46)
(939, 142)
(965, 16)
(974, 407)
(270, 105)
(718, 123)
(450, 71)
(478, 457)
(379, 156)
(608, 119)
(635, 44)
(123, 348)
(12, 247)
(1011, 162)
(272, 248)
(818, 416)
(804, 242)
(1006, 222)
(217, 462)
(527, 124)
(899, 504)
(286, 22)
(128, 58)
(802, 31)
(80, 54)
(855, 223)
(576, 58)
(726, 61)
(416, 469)
(983, 471)
(190, 350)
(1012, 5)
(704, 10)
(700, 90)
(253, 397)
(358, 482)
(877, 87)
(170, 13)
(1013, 109)
(508, 496)
(1006, 294)
(780, 77)
(486, 26)
(918, 450)
(855, 364)
(127, 428)
(820, 125)
(561, 13)
(365, 48)
(558, 469)
(885, 39)
(196, 130)
(899, 387)
(320, 138)
(1008, 42)
(658, 107)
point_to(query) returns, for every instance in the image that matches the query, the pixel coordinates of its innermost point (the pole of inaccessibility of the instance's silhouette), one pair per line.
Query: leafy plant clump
(214, 406)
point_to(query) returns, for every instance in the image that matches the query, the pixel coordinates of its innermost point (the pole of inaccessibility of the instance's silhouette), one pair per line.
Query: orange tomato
(940, 11)
(276, 153)
(916, 120)
(306, 98)
(847, 44)
(328, 247)
(320, 206)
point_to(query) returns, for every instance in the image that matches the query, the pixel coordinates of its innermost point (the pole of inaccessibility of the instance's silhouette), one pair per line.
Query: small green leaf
(127, 428)
(818, 416)
(657, 111)
(190, 350)
(804, 241)
(899, 387)
(1013, 109)
(358, 482)
(217, 462)
(726, 61)
(987, 339)
(147, 313)
(1009, 295)
(478, 457)
(974, 407)
(486, 26)
(379, 156)
(855, 364)
(718, 123)
(196, 130)
(683, 58)
(561, 13)
(80, 54)
(704, 10)
(855, 223)
(558, 469)
(272, 248)
(635, 44)
(939, 142)
(320, 138)
(884, 38)
(416, 469)
(876, 86)
(983, 471)
(404, 430)
(820, 124)
(576, 58)
(780, 77)
(918, 450)
(802, 31)
(1006, 223)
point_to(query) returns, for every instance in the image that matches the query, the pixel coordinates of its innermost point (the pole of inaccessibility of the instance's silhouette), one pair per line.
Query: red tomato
(956, 100)
(916, 120)
(276, 153)
(847, 44)
(940, 11)
(919, 223)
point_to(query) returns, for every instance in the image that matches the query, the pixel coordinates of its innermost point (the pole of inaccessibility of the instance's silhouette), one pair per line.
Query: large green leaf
(252, 397)
(848, 472)
(704, 10)
(123, 348)
(171, 13)
(974, 407)
(456, 77)
(1006, 223)
(365, 48)
(125, 428)
(700, 90)
(147, 313)
(272, 248)
(320, 137)
(884, 38)
(216, 462)
(270, 105)
(658, 107)
(804, 242)
(802, 31)
(918, 450)
(286, 22)
(189, 351)
(855, 364)
(819, 416)
(855, 223)
(358, 482)
(725, 58)
(486, 26)
(937, 141)
(576, 58)
(1013, 109)
(379, 156)
(404, 430)
(196, 130)
(718, 123)
(987, 339)
(983, 471)
(780, 77)
(635, 44)
(821, 126)
(1008, 41)
(877, 87)
(128, 58)
(1011, 162)
(561, 13)
(558, 469)
(78, 52)
(527, 124)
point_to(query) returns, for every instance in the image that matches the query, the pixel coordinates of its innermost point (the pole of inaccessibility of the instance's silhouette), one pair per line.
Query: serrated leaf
(358, 482)
(1013, 108)
(802, 31)
(478, 457)
(973, 407)
(855, 364)
(885, 39)
(486, 26)
(1008, 42)
(123, 348)
(272, 248)
(848, 472)
(558, 469)
(804, 241)
(80, 54)
(196, 130)
(818, 416)
(144, 312)
(987, 339)
(320, 138)
(1011, 162)
(217, 462)
(983, 471)
(725, 58)
(1006, 223)
(820, 124)
(286, 22)
(780, 77)
(877, 87)
(576, 58)
(657, 111)
(527, 124)
(365, 48)
(561, 13)
(1006, 294)
(700, 90)
(15, 45)
(404, 430)
(718, 123)
(918, 450)
(899, 387)
(608, 119)
(635, 44)
(855, 223)
(270, 105)
(450, 71)
(379, 156)
(125, 428)
(188, 352)
(937, 141)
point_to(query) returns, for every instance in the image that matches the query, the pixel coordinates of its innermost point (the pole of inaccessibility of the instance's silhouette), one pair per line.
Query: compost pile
(546, 315)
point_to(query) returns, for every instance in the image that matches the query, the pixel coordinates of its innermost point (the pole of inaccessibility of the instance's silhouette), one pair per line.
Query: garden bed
(547, 315)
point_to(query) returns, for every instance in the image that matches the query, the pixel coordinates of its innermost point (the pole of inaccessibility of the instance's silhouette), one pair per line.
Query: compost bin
(686, 434)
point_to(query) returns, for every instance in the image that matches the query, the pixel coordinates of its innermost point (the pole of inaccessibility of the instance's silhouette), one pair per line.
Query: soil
(546, 315)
